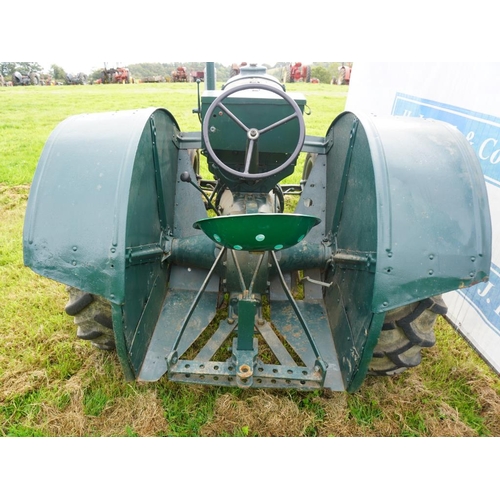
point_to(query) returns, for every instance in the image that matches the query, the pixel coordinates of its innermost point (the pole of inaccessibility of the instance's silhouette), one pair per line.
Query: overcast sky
(79, 36)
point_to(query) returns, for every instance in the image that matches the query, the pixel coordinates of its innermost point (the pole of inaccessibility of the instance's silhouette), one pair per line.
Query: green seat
(257, 232)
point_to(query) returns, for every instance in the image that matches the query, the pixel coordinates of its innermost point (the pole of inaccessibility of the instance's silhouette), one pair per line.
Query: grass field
(52, 384)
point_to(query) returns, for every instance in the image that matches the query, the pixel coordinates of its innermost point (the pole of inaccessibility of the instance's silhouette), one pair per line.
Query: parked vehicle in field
(211, 281)
(297, 72)
(78, 79)
(197, 75)
(179, 74)
(122, 75)
(32, 79)
(344, 75)
(115, 75)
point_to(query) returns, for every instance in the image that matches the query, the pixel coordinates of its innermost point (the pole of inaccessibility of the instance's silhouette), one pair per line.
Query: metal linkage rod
(295, 307)
(197, 299)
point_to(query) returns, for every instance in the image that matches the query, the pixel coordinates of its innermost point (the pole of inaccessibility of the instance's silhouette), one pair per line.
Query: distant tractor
(122, 75)
(179, 74)
(297, 72)
(78, 79)
(32, 79)
(115, 75)
(344, 75)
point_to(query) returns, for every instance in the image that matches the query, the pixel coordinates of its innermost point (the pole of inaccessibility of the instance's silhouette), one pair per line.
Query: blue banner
(485, 299)
(481, 130)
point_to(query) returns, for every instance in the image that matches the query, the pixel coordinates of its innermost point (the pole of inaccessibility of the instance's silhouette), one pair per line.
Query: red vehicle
(115, 75)
(197, 75)
(122, 75)
(179, 75)
(344, 75)
(298, 72)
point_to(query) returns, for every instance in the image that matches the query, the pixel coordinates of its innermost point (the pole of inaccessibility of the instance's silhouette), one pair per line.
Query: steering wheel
(253, 134)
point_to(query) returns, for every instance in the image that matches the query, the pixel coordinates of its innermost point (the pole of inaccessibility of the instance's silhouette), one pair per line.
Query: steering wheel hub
(253, 134)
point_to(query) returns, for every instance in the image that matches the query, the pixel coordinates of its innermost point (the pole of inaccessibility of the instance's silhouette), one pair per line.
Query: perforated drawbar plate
(257, 232)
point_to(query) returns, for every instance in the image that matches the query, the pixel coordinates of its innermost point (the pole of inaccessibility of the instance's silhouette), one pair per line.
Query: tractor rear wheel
(406, 331)
(92, 315)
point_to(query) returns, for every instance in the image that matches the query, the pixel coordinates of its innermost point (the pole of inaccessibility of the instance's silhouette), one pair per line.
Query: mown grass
(29, 114)
(51, 384)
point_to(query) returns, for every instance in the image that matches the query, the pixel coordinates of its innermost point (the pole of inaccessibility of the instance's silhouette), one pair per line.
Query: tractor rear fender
(408, 197)
(100, 215)
(406, 217)
(93, 191)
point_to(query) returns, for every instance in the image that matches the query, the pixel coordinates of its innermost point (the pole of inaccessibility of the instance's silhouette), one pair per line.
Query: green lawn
(29, 114)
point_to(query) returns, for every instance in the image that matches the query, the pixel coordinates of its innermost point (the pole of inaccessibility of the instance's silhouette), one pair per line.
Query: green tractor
(212, 281)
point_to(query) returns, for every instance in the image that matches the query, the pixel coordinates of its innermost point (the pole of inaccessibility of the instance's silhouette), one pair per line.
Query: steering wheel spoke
(278, 123)
(233, 116)
(249, 155)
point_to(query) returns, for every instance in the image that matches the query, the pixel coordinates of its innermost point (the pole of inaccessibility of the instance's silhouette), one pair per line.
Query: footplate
(245, 370)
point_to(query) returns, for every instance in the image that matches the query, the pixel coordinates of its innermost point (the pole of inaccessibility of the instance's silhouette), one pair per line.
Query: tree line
(325, 72)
